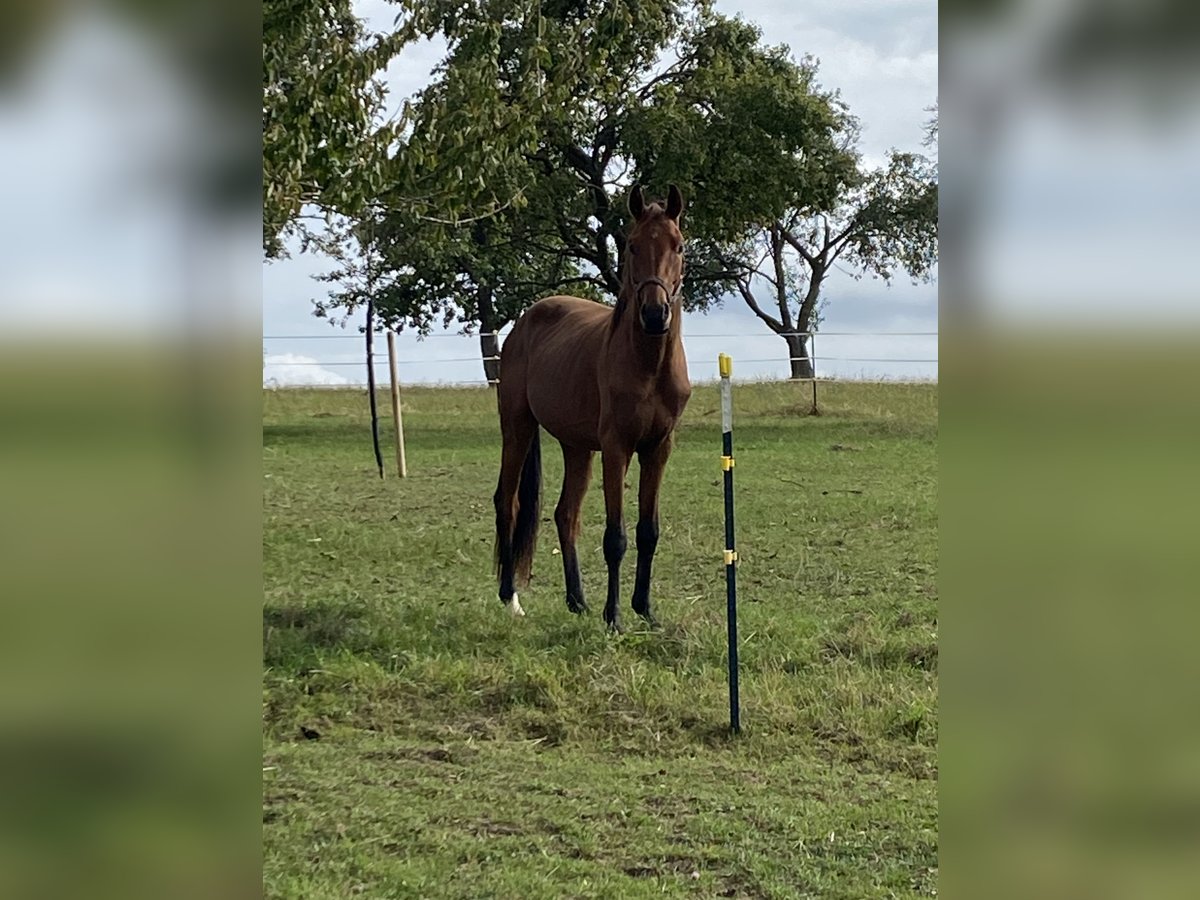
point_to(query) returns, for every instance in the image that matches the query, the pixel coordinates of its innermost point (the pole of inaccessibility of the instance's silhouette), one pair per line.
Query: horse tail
(529, 511)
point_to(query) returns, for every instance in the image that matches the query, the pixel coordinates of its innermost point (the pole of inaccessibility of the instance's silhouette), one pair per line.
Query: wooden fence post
(397, 423)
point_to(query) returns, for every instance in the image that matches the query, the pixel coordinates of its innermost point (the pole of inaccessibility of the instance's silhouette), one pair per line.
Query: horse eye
(679, 248)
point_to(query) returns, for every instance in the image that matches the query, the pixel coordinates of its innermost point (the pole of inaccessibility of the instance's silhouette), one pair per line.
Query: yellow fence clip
(725, 364)
(730, 557)
(726, 463)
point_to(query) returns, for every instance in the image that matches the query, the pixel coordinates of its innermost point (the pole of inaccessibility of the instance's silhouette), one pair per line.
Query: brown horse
(612, 379)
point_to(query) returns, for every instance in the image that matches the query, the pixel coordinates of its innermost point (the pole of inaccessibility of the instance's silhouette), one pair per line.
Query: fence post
(397, 424)
(371, 384)
(725, 364)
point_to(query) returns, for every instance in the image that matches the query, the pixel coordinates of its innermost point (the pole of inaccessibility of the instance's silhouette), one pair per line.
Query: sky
(1083, 191)
(881, 54)
(100, 232)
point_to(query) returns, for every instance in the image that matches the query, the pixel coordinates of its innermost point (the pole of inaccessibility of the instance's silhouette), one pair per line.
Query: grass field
(418, 742)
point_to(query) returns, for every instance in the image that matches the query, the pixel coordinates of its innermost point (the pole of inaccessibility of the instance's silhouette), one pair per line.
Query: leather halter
(672, 295)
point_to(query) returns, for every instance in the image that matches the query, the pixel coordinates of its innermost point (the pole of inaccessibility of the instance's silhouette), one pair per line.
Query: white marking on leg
(514, 607)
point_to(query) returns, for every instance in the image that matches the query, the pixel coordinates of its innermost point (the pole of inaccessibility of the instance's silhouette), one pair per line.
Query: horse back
(554, 351)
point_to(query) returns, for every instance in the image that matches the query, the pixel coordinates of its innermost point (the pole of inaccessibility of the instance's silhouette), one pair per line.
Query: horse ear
(674, 203)
(637, 203)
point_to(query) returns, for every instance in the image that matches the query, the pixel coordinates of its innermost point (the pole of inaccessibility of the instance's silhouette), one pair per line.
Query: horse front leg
(616, 464)
(652, 462)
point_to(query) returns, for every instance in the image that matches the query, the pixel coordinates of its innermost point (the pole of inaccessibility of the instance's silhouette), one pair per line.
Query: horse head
(653, 277)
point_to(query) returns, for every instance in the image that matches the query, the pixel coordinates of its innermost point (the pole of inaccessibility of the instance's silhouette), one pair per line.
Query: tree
(476, 276)
(328, 144)
(883, 220)
(648, 91)
(709, 108)
(322, 102)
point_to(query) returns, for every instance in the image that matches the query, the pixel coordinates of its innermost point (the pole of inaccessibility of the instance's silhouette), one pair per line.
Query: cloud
(881, 55)
(293, 370)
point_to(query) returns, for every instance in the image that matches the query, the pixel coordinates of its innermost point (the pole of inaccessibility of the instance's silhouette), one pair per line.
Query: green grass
(421, 743)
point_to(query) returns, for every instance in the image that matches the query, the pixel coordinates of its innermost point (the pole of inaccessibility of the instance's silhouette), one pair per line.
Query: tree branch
(479, 218)
(809, 304)
(781, 298)
(748, 295)
(554, 282)
(845, 233)
(578, 250)
(676, 69)
(611, 281)
(581, 161)
(602, 210)
(796, 244)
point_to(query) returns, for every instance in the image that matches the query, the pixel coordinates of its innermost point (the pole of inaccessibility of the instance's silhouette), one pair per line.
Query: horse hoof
(577, 605)
(514, 607)
(615, 628)
(647, 617)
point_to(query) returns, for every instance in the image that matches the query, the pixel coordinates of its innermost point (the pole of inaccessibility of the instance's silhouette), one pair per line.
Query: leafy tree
(328, 144)
(477, 277)
(648, 91)
(322, 144)
(883, 221)
(585, 98)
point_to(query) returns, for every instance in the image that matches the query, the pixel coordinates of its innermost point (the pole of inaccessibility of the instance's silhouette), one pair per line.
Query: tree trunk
(801, 363)
(489, 346)
(489, 340)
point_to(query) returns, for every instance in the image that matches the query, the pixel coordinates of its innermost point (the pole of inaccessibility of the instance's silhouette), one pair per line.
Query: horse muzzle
(656, 320)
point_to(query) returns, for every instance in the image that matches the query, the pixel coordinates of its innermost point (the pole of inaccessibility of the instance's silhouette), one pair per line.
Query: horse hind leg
(504, 500)
(518, 434)
(577, 472)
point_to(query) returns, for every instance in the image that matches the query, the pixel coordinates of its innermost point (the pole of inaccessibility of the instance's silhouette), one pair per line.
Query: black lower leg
(614, 552)
(504, 553)
(575, 601)
(507, 588)
(564, 519)
(647, 541)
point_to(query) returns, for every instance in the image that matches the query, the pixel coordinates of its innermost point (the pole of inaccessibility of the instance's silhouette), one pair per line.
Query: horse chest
(643, 418)
(672, 393)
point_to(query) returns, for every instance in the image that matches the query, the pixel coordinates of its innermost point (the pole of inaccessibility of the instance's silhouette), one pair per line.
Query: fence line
(763, 359)
(733, 334)
(400, 362)
(696, 363)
